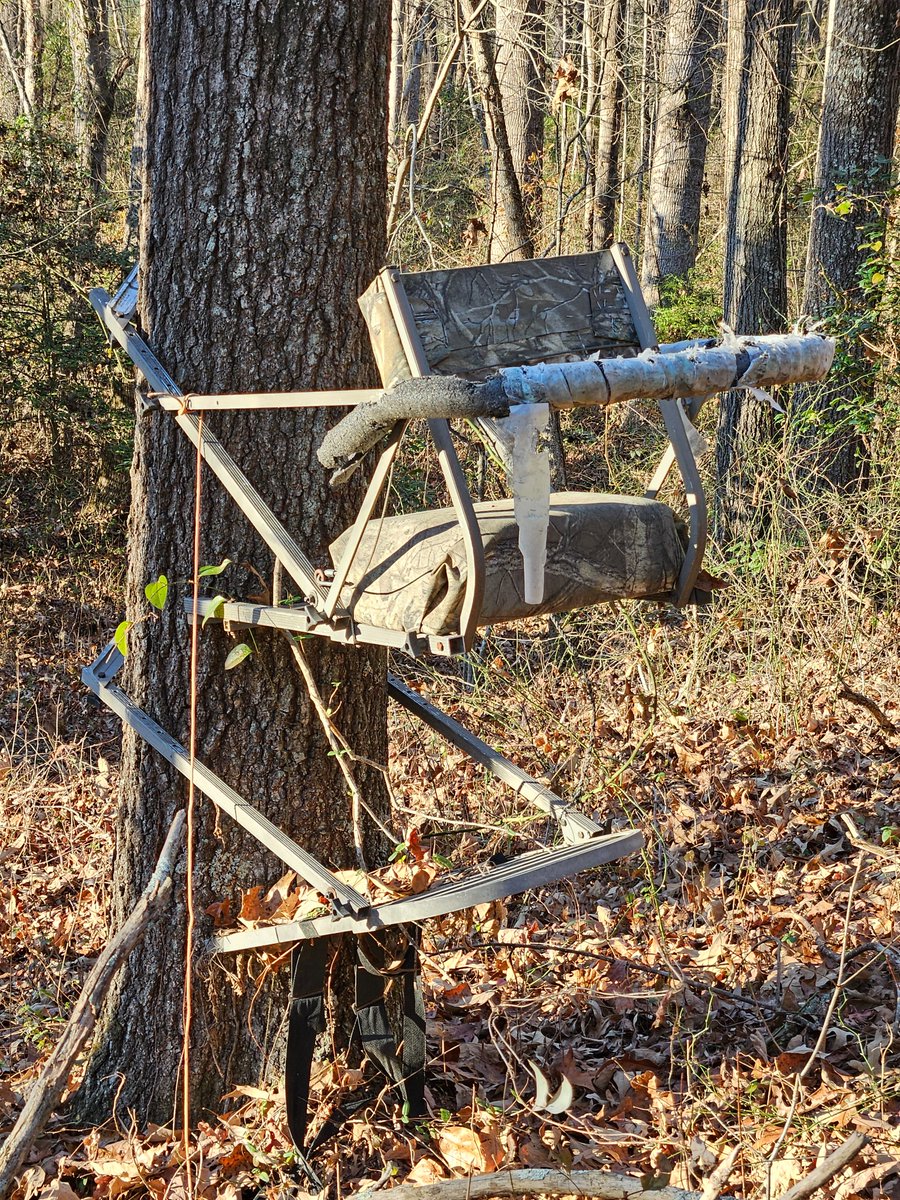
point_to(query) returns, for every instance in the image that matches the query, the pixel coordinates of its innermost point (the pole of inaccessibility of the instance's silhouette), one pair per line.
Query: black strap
(406, 1071)
(306, 1020)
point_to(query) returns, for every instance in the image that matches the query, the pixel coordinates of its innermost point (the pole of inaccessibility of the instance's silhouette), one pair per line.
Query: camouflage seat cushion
(410, 571)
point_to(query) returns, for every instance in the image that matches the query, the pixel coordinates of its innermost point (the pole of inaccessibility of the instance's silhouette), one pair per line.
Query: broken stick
(836, 1161)
(48, 1088)
(540, 1181)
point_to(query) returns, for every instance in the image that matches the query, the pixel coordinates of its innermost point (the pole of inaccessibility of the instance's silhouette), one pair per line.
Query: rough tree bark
(859, 114)
(256, 240)
(679, 149)
(603, 26)
(96, 82)
(519, 39)
(756, 97)
(510, 239)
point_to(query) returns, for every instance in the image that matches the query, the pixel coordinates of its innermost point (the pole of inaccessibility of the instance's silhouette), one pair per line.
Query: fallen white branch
(48, 1088)
(536, 1181)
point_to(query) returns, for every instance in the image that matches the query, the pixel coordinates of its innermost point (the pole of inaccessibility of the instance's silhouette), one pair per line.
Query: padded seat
(409, 573)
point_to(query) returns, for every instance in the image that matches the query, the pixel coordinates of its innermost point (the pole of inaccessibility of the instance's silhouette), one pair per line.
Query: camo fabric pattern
(410, 571)
(474, 319)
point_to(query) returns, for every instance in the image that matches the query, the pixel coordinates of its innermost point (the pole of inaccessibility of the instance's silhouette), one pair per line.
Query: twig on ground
(540, 1181)
(836, 1161)
(718, 1177)
(856, 839)
(863, 701)
(48, 1088)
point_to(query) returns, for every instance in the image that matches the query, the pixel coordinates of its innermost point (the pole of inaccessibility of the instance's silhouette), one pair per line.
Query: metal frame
(584, 843)
(98, 677)
(679, 449)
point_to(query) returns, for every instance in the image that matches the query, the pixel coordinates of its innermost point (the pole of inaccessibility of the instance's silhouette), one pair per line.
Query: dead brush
(738, 736)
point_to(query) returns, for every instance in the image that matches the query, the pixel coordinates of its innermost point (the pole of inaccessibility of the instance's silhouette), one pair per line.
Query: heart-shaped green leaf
(157, 591)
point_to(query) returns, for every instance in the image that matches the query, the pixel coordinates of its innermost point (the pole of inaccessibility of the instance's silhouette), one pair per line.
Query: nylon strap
(306, 1020)
(406, 1070)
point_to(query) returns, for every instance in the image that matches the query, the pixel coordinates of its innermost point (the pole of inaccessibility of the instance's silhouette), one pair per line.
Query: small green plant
(689, 307)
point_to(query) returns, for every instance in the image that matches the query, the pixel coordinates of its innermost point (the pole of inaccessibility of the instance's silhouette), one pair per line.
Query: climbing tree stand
(496, 346)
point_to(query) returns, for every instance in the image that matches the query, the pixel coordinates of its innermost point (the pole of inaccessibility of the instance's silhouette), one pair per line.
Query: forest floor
(736, 987)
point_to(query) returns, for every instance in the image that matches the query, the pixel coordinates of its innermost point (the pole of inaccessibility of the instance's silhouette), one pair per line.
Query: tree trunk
(510, 239)
(256, 239)
(757, 107)
(96, 83)
(139, 133)
(12, 58)
(519, 37)
(412, 87)
(33, 54)
(679, 149)
(859, 113)
(604, 27)
(395, 74)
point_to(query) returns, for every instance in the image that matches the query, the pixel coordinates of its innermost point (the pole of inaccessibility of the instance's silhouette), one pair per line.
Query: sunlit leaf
(204, 572)
(215, 609)
(237, 655)
(157, 591)
(120, 637)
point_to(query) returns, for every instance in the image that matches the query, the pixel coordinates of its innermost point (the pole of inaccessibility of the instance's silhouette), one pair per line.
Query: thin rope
(189, 891)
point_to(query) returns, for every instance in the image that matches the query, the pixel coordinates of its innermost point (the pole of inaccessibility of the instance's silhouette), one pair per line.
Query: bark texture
(519, 38)
(679, 149)
(603, 33)
(755, 119)
(262, 220)
(859, 114)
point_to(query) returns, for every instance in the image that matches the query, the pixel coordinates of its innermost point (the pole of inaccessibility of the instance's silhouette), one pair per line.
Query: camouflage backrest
(474, 319)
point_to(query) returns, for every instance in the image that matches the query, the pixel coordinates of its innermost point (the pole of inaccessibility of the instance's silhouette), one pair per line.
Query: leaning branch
(46, 1091)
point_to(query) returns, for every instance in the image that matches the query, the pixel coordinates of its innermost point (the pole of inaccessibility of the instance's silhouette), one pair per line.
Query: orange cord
(189, 892)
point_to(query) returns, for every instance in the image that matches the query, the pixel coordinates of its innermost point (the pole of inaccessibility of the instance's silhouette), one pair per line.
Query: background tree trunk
(96, 82)
(412, 86)
(510, 239)
(679, 149)
(519, 37)
(756, 97)
(395, 75)
(604, 27)
(256, 240)
(856, 139)
(33, 53)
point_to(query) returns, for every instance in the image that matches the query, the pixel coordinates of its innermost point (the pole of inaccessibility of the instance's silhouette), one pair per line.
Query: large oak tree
(263, 215)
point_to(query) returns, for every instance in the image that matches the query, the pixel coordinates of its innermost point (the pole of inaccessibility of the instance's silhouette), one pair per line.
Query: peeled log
(692, 373)
(687, 374)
